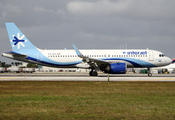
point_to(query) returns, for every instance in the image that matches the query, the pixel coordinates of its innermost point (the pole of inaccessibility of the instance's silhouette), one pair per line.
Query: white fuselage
(132, 57)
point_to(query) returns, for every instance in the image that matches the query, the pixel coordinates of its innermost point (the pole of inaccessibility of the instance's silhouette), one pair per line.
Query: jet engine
(115, 68)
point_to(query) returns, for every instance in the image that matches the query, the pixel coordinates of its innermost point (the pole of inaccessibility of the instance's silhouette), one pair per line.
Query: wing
(94, 63)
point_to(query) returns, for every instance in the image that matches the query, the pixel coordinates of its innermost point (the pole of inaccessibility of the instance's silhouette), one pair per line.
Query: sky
(91, 24)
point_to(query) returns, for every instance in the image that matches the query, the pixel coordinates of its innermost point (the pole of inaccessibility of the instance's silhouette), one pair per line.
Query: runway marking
(85, 79)
(7, 78)
(157, 79)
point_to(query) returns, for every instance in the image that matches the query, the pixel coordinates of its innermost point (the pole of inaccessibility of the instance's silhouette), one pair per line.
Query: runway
(85, 77)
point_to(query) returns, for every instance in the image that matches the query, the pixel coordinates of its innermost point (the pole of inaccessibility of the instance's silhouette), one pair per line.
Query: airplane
(169, 67)
(111, 61)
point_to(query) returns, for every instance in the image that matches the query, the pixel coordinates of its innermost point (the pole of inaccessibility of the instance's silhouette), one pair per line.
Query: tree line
(29, 65)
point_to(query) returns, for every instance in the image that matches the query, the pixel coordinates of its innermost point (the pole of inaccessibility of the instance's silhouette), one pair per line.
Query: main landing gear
(149, 72)
(93, 73)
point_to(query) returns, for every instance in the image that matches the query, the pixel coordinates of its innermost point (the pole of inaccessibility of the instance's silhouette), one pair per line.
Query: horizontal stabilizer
(14, 54)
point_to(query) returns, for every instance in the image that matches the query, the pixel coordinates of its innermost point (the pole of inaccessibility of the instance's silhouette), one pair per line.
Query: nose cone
(168, 61)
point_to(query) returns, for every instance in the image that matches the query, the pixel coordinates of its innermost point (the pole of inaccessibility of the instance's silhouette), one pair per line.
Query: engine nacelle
(116, 68)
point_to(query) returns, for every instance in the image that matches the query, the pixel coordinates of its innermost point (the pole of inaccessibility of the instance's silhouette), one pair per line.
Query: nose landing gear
(149, 72)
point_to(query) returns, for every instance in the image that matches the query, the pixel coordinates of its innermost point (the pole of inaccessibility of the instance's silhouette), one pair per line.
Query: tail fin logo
(173, 61)
(18, 40)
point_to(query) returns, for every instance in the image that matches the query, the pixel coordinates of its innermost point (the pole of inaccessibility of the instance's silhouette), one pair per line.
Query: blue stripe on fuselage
(45, 60)
(54, 63)
(134, 62)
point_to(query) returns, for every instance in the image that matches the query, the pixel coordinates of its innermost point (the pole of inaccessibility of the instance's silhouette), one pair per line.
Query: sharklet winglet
(77, 51)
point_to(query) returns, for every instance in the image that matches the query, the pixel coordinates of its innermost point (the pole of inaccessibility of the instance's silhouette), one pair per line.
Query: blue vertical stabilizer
(19, 42)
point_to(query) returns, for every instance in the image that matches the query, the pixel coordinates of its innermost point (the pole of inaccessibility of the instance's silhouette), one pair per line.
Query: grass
(87, 100)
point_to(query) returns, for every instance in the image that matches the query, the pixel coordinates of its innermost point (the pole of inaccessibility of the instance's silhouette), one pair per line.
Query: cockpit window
(161, 55)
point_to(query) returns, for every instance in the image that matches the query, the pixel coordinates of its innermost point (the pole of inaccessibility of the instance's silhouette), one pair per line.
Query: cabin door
(151, 56)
